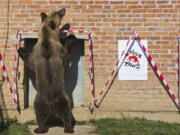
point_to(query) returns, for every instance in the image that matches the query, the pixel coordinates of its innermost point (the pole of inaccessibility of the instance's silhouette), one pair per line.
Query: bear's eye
(52, 25)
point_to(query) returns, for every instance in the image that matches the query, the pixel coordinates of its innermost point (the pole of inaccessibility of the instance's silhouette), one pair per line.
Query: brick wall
(155, 20)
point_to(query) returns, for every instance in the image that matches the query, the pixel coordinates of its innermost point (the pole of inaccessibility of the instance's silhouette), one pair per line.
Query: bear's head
(53, 20)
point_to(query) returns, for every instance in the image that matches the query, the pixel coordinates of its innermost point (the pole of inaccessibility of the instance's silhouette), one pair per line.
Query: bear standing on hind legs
(47, 61)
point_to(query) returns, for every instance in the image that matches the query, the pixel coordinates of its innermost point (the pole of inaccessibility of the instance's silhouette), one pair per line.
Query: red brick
(113, 51)
(154, 10)
(149, 15)
(71, 2)
(118, 15)
(163, 2)
(170, 10)
(166, 6)
(166, 24)
(79, 20)
(86, 2)
(110, 11)
(168, 47)
(21, 15)
(134, 24)
(161, 33)
(4, 2)
(150, 6)
(101, 2)
(146, 33)
(79, 6)
(168, 38)
(140, 28)
(40, 2)
(160, 51)
(119, 24)
(33, 6)
(177, 6)
(148, 2)
(95, 6)
(3, 6)
(132, 2)
(89, 11)
(42, 10)
(25, 2)
(138, 10)
(139, 20)
(116, 2)
(123, 11)
(102, 24)
(98, 16)
(119, 6)
(153, 47)
(18, 6)
(133, 15)
(134, 6)
(107, 7)
(16, 20)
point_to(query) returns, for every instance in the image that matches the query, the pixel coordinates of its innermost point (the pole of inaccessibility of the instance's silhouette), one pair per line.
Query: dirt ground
(79, 130)
(83, 114)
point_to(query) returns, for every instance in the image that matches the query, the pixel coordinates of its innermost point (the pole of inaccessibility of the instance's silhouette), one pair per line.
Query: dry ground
(83, 114)
(79, 130)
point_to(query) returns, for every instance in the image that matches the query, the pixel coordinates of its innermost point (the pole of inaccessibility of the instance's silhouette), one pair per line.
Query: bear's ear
(43, 16)
(61, 12)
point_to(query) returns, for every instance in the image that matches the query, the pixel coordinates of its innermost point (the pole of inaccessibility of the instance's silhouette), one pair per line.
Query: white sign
(134, 66)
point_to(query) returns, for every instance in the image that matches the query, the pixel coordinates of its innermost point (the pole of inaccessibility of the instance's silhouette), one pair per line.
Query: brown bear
(47, 60)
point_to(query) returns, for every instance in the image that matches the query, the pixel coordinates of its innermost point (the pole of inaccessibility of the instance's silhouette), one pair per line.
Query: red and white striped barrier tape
(13, 90)
(26, 32)
(15, 73)
(157, 71)
(91, 68)
(76, 31)
(5, 74)
(15, 66)
(113, 72)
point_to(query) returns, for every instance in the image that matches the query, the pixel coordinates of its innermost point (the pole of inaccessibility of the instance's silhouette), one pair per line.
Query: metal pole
(166, 87)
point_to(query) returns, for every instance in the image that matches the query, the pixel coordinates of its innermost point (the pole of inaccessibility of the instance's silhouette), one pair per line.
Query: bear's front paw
(41, 130)
(22, 53)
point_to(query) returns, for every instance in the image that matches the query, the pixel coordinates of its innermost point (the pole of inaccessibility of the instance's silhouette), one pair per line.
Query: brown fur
(47, 61)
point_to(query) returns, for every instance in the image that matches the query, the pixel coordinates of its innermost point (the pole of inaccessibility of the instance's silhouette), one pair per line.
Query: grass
(136, 126)
(107, 126)
(13, 127)
(31, 122)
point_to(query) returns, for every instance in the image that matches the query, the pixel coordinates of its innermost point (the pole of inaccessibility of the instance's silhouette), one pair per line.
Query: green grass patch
(31, 122)
(134, 126)
(13, 127)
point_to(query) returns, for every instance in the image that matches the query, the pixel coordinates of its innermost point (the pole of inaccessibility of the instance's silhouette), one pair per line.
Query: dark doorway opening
(74, 80)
